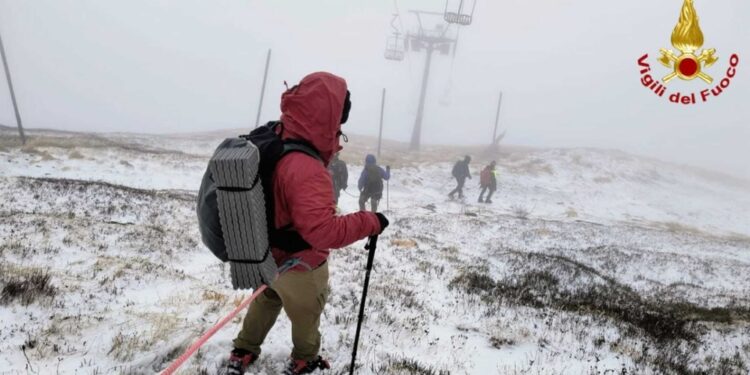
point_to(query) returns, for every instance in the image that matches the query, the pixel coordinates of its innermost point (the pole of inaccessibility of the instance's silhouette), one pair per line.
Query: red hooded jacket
(303, 189)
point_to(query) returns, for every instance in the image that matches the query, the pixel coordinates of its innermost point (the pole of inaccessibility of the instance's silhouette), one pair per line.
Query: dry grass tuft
(405, 243)
(210, 295)
(26, 288)
(44, 155)
(398, 365)
(520, 212)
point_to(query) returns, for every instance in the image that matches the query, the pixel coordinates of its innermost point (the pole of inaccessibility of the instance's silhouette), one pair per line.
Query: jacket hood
(370, 159)
(311, 111)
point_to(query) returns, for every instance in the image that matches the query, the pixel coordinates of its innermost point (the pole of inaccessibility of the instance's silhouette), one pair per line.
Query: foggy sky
(568, 70)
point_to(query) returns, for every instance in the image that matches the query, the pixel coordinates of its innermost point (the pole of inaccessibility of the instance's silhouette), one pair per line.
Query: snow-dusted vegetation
(588, 262)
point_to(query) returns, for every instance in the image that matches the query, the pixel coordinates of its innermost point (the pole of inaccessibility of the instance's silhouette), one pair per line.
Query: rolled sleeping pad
(242, 213)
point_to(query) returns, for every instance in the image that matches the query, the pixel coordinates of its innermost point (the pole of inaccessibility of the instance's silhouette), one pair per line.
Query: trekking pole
(371, 245)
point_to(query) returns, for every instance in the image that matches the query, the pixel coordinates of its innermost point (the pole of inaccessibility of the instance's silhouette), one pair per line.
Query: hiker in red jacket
(487, 180)
(312, 111)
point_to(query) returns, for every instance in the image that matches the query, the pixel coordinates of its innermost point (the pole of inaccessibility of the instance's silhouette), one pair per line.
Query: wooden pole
(263, 88)
(380, 133)
(12, 92)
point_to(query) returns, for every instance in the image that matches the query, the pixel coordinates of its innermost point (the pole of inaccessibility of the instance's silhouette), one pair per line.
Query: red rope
(193, 348)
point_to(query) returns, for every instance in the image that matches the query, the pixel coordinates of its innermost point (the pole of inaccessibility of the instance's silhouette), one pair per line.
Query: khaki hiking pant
(303, 295)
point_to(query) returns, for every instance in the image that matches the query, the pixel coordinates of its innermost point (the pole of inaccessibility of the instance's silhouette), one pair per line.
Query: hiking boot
(488, 201)
(450, 196)
(480, 200)
(299, 366)
(239, 361)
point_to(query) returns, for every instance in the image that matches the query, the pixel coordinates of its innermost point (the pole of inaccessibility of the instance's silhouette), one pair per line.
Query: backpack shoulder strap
(292, 145)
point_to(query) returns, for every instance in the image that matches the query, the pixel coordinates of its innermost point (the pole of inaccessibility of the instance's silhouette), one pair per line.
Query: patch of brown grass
(405, 243)
(210, 295)
(31, 150)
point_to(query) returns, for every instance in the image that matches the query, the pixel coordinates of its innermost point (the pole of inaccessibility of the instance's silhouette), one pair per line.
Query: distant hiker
(371, 183)
(340, 176)
(488, 180)
(461, 173)
(312, 113)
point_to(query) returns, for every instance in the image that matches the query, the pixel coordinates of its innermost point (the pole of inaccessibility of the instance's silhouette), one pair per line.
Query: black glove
(387, 167)
(383, 222)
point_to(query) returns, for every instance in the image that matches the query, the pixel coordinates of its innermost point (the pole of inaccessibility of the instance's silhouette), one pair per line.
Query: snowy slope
(618, 264)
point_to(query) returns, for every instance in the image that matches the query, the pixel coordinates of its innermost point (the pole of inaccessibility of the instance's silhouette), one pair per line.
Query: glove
(387, 167)
(383, 222)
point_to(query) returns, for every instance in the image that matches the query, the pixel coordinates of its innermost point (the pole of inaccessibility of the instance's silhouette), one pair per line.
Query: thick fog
(568, 70)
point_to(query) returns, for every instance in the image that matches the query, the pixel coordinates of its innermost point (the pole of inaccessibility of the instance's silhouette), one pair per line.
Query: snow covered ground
(588, 262)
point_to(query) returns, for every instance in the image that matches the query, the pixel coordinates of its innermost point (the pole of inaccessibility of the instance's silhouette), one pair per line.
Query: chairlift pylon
(454, 11)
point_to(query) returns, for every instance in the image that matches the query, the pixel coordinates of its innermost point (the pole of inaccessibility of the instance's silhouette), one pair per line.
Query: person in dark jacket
(488, 180)
(371, 183)
(312, 111)
(461, 173)
(340, 176)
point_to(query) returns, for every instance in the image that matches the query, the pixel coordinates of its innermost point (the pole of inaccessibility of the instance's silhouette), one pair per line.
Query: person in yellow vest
(488, 180)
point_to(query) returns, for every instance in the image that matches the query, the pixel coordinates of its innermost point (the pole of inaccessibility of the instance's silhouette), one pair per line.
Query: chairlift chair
(395, 47)
(454, 11)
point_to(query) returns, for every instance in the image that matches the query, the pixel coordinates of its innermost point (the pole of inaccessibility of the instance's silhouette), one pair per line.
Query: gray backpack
(235, 217)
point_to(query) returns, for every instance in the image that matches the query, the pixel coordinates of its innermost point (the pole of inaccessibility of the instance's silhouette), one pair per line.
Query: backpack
(485, 177)
(456, 169)
(374, 181)
(260, 151)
